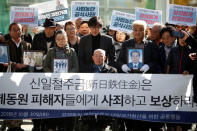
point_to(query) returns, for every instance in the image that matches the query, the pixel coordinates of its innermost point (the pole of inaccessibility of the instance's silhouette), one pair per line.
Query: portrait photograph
(4, 54)
(60, 65)
(33, 58)
(135, 58)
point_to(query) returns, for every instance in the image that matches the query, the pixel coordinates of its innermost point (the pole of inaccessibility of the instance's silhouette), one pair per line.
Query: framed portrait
(33, 58)
(4, 54)
(135, 58)
(60, 65)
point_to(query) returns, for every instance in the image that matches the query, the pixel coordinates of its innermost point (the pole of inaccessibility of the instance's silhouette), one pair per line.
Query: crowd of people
(168, 49)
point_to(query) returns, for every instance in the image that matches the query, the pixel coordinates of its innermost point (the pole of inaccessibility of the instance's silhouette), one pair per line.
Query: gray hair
(140, 22)
(159, 26)
(100, 50)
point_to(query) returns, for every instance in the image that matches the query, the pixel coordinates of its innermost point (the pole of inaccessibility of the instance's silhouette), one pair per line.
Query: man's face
(70, 30)
(138, 32)
(49, 31)
(167, 39)
(155, 33)
(95, 30)
(16, 32)
(98, 58)
(84, 29)
(135, 57)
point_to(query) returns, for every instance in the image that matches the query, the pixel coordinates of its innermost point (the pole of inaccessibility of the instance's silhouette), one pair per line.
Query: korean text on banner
(150, 16)
(55, 9)
(122, 21)
(151, 97)
(182, 15)
(24, 15)
(84, 9)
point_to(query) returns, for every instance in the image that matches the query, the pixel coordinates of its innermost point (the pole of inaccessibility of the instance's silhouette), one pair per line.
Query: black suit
(150, 54)
(85, 51)
(40, 42)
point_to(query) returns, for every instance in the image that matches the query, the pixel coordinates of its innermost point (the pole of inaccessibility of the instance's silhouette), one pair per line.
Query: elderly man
(150, 62)
(155, 33)
(99, 65)
(16, 48)
(135, 63)
(98, 123)
(46, 39)
(150, 49)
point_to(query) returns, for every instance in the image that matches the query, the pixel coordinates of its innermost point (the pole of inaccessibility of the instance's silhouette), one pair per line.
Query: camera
(178, 34)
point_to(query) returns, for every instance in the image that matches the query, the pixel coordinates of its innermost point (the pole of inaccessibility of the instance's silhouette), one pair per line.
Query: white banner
(150, 16)
(24, 15)
(121, 21)
(84, 9)
(120, 95)
(182, 15)
(54, 9)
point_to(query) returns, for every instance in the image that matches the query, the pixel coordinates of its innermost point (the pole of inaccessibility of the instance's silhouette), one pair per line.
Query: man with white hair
(150, 63)
(155, 33)
(138, 41)
(99, 65)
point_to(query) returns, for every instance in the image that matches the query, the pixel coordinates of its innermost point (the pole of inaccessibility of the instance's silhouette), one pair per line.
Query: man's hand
(125, 68)
(185, 72)
(193, 56)
(20, 66)
(145, 68)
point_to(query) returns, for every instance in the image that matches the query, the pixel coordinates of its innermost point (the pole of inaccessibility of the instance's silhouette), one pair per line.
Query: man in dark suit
(46, 39)
(94, 41)
(135, 60)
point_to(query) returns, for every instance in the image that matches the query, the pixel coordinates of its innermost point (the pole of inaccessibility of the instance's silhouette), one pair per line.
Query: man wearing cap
(43, 41)
(46, 39)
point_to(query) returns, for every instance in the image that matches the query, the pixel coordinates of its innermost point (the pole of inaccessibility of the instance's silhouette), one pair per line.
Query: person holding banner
(61, 51)
(150, 49)
(94, 41)
(150, 63)
(16, 48)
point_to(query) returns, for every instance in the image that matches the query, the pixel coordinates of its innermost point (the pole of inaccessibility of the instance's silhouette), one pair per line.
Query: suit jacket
(85, 51)
(130, 65)
(40, 42)
(13, 54)
(150, 54)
